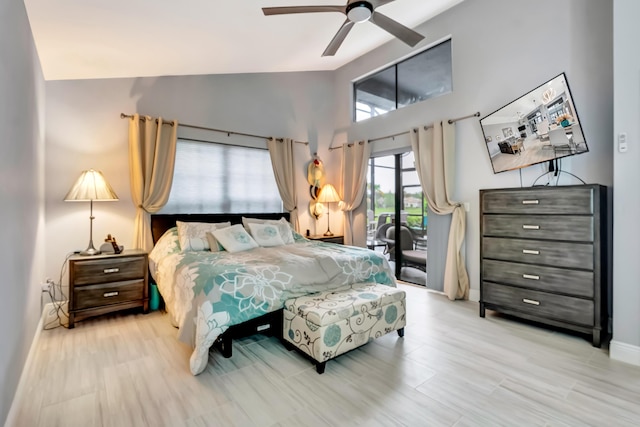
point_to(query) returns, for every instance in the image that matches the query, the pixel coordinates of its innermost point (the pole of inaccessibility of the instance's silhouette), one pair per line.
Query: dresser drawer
(91, 296)
(545, 305)
(555, 254)
(570, 228)
(556, 200)
(569, 282)
(108, 270)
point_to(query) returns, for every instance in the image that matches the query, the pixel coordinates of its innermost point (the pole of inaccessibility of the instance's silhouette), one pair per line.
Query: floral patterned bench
(327, 324)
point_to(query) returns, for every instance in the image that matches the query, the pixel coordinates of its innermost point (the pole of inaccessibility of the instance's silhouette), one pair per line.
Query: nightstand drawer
(95, 271)
(91, 296)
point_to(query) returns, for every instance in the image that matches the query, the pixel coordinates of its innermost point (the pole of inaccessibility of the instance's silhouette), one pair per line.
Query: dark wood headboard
(161, 223)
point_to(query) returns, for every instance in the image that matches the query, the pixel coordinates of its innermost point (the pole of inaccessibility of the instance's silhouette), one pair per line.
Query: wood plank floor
(452, 368)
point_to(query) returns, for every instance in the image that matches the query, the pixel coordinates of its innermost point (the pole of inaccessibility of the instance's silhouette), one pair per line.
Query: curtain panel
(152, 153)
(355, 159)
(434, 152)
(281, 153)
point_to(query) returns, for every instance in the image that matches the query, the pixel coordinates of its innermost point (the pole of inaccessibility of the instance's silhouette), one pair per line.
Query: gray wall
(84, 130)
(499, 53)
(626, 176)
(21, 189)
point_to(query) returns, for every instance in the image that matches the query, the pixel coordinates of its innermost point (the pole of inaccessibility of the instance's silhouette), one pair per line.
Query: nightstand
(105, 283)
(328, 239)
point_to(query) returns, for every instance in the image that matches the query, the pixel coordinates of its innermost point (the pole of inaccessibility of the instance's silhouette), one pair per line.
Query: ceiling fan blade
(338, 38)
(377, 3)
(302, 9)
(405, 34)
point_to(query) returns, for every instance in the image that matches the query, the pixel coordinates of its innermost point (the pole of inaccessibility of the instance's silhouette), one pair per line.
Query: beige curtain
(152, 154)
(434, 152)
(281, 153)
(355, 159)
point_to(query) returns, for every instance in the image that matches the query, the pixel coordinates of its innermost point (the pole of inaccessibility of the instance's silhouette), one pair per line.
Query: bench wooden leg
(320, 367)
(401, 332)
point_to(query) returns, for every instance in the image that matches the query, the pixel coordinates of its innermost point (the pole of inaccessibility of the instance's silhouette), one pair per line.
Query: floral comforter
(206, 292)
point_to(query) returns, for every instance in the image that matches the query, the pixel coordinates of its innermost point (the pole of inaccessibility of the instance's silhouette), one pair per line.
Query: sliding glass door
(394, 191)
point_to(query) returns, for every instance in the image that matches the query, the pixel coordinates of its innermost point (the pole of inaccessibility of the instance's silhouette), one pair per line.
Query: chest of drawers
(544, 256)
(106, 283)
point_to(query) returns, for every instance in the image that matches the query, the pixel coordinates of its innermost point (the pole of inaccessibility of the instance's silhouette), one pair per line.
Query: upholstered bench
(327, 324)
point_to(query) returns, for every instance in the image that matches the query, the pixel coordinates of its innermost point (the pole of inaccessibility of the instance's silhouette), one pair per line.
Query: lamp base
(90, 252)
(328, 233)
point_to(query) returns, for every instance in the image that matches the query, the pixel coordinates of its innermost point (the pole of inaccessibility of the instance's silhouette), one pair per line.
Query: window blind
(221, 178)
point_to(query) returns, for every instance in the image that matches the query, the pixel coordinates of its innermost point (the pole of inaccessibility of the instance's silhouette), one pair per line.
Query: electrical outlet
(50, 314)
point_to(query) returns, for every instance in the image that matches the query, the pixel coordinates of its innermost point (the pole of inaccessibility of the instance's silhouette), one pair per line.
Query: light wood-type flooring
(452, 368)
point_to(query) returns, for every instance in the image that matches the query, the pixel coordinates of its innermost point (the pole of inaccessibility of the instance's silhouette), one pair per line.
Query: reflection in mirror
(540, 126)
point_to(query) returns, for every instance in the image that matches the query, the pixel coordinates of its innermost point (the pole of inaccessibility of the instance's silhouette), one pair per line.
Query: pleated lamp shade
(91, 185)
(328, 194)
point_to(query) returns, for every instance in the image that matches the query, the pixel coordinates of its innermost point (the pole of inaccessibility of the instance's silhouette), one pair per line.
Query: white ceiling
(138, 38)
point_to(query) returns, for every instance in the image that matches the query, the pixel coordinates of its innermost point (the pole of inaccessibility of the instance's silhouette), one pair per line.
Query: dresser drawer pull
(530, 301)
(530, 276)
(530, 252)
(110, 294)
(530, 202)
(530, 227)
(111, 270)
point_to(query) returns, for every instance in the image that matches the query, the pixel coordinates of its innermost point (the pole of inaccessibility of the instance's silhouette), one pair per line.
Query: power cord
(58, 304)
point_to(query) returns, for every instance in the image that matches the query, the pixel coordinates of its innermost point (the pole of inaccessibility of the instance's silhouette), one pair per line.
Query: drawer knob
(111, 270)
(530, 227)
(530, 252)
(110, 294)
(530, 301)
(530, 276)
(530, 202)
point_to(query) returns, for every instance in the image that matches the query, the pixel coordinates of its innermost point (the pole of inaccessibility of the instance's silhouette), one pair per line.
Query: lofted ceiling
(140, 38)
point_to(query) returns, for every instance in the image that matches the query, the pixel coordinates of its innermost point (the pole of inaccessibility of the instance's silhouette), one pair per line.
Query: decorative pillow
(284, 228)
(234, 238)
(266, 234)
(193, 235)
(214, 245)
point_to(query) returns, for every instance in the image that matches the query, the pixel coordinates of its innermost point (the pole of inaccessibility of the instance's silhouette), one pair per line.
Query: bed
(210, 294)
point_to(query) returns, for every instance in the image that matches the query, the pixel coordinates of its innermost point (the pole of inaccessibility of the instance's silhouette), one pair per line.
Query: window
(218, 178)
(423, 76)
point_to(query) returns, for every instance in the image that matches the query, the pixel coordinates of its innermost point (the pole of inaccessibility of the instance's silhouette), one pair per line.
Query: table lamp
(328, 194)
(89, 187)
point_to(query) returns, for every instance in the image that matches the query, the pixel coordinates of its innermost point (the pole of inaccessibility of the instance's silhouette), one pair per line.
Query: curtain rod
(450, 121)
(228, 132)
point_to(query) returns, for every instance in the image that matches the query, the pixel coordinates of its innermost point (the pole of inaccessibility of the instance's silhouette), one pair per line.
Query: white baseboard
(474, 295)
(20, 390)
(624, 352)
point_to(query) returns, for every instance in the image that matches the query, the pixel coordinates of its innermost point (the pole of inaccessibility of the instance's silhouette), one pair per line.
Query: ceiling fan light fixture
(359, 11)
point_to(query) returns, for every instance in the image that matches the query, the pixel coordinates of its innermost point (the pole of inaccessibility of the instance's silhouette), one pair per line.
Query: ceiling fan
(357, 12)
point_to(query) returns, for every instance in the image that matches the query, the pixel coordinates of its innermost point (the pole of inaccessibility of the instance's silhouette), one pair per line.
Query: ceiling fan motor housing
(359, 11)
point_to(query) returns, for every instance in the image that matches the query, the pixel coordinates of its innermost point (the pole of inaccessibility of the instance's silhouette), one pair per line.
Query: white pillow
(193, 235)
(284, 228)
(234, 238)
(266, 234)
